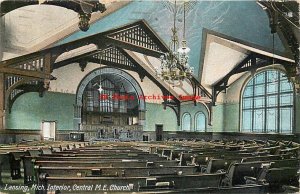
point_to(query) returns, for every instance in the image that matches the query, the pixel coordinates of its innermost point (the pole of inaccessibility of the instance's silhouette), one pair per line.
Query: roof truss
(39, 65)
(251, 63)
(137, 37)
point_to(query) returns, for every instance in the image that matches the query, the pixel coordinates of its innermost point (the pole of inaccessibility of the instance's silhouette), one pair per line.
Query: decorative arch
(106, 71)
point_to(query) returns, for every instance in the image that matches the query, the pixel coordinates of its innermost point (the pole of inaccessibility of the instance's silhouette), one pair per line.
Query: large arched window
(186, 122)
(267, 103)
(200, 122)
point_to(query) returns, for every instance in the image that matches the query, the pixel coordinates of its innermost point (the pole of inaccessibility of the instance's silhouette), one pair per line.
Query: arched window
(267, 103)
(186, 122)
(200, 122)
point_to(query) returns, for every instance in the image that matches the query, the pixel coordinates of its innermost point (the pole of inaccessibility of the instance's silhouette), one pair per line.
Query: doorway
(159, 132)
(48, 130)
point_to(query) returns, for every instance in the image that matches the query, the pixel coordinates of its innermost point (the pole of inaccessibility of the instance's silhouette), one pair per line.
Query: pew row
(125, 184)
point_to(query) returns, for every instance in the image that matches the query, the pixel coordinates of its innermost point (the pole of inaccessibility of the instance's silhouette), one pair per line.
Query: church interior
(145, 96)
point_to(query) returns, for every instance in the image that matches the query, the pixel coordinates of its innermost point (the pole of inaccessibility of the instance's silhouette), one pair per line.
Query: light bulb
(100, 89)
(184, 50)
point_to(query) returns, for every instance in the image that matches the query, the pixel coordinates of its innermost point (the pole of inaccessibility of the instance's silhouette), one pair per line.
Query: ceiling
(26, 29)
(251, 25)
(32, 28)
(210, 26)
(222, 55)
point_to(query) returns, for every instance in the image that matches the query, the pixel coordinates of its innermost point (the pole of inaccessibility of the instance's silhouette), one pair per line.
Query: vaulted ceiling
(244, 20)
(245, 25)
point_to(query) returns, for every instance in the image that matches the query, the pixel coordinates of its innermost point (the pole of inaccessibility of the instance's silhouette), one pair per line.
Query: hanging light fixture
(169, 99)
(174, 65)
(100, 89)
(274, 77)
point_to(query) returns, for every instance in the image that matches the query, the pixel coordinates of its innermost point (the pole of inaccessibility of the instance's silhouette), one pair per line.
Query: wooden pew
(175, 155)
(11, 156)
(133, 184)
(189, 181)
(159, 151)
(107, 156)
(266, 158)
(112, 163)
(106, 160)
(271, 150)
(182, 182)
(276, 178)
(222, 164)
(116, 171)
(285, 163)
(237, 172)
(203, 159)
(186, 159)
(215, 165)
(102, 152)
(28, 166)
(282, 176)
(15, 163)
(254, 188)
(46, 151)
(11, 161)
(2, 158)
(293, 151)
(152, 150)
(55, 149)
(88, 184)
(251, 148)
(167, 153)
(104, 155)
(71, 158)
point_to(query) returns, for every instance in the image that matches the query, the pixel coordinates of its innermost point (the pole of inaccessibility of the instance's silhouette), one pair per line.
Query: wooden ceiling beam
(133, 47)
(27, 73)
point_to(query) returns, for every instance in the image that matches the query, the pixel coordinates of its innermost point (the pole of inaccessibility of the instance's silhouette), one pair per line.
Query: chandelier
(174, 64)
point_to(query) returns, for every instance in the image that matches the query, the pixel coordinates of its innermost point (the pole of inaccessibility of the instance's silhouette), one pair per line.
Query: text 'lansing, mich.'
(144, 97)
